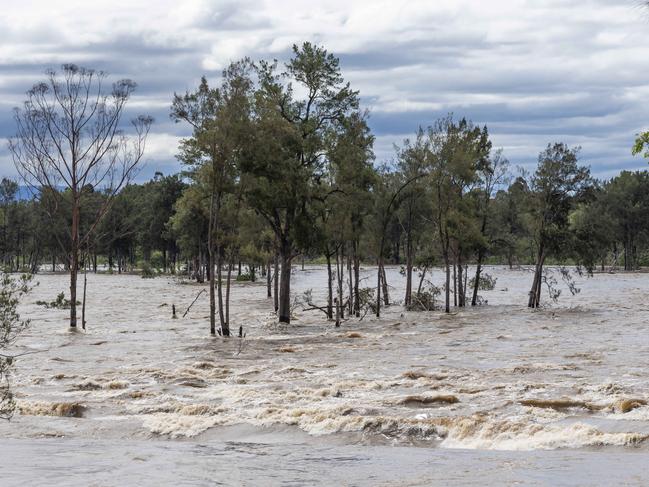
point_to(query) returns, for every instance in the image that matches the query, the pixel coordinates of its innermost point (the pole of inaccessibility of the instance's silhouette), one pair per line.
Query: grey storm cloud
(533, 71)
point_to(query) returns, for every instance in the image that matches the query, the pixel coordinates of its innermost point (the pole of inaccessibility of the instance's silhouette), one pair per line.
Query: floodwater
(494, 395)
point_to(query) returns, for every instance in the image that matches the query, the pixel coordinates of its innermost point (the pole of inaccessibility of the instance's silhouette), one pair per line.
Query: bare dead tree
(70, 139)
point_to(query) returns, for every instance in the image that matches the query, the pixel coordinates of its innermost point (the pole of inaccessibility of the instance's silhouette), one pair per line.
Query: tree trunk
(269, 279)
(455, 284)
(535, 292)
(74, 262)
(83, 307)
(460, 283)
(378, 287)
(330, 292)
(350, 302)
(340, 269)
(408, 297)
(285, 284)
(212, 291)
(421, 279)
(228, 283)
(337, 302)
(466, 283)
(357, 275)
(384, 281)
(476, 284)
(225, 329)
(276, 283)
(447, 308)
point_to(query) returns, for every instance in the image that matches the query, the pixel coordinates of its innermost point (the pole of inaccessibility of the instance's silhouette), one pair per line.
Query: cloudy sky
(534, 71)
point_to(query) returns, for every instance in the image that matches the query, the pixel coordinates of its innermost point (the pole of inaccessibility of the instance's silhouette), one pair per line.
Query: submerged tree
(286, 163)
(624, 202)
(492, 173)
(219, 118)
(458, 150)
(554, 191)
(412, 159)
(69, 137)
(353, 177)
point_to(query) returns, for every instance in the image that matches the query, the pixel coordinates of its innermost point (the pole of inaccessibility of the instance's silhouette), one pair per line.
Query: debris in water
(86, 386)
(62, 409)
(626, 405)
(560, 404)
(425, 400)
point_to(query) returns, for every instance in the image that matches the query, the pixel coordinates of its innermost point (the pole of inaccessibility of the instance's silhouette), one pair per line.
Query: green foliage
(487, 282)
(61, 302)
(426, 299)
(147, 272)
(641, 145)
(11, 291)
(279, 162)
(556, 187)
(285, 166)
(367, 301)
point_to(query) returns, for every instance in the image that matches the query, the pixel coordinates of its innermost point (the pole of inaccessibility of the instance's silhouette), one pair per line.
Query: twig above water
(195, 299)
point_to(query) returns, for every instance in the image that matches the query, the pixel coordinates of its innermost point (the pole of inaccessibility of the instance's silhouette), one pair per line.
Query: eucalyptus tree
(219, 119)
(295, 109)
(389, 193)
(507, 229)
(594, 229)
(117, 234)
(626, 199)
(555, 188)
(8, 193)
(492, 172)
(353, 176)
(411, 161)
(156, 199)
(70, 136)
(189, 226)
(456, 151)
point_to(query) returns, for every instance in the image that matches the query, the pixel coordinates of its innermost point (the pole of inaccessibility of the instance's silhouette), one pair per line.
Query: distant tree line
(280, 166)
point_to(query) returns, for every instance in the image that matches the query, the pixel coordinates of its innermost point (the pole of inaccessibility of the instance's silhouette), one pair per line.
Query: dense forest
(279, 169)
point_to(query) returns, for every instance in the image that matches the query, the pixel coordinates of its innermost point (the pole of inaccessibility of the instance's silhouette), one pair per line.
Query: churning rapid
(411, 398)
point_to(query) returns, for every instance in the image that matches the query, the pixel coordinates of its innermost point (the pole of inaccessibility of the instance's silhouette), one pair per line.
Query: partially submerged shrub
(148, 272)
(487, 282)
(549, 279)
(367, 301)
(61, 302)
(425, 300)
(244, 277)
(11, 290)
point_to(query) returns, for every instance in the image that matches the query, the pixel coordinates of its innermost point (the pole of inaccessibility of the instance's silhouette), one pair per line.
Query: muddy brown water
(496, 395)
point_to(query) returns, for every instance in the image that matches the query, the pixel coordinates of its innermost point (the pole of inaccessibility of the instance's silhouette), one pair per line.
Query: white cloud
(533, 70)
